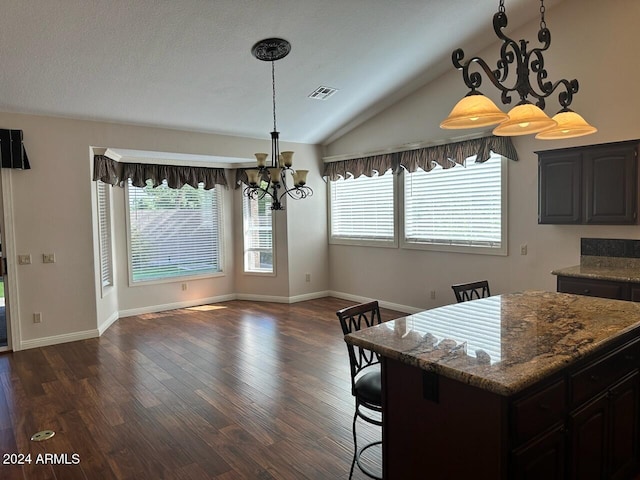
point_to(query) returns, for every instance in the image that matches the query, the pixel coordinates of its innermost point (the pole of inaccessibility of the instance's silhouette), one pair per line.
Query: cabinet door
(543, 458)
(559, 187)
(588, 448)
(635, 293)
(623, 399)
(610, 184)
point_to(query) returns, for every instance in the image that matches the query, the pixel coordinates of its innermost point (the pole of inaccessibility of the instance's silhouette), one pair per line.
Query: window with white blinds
(458, 208)
(104, 233)
(257, 219)
(173, 233)
(362, 210)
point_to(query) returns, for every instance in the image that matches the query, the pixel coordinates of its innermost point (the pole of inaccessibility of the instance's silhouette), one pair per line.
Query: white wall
(307, 236)
(53, 213)
(592, 41)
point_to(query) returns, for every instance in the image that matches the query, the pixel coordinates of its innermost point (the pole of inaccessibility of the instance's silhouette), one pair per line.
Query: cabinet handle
(629, 357)
(586, 290)
(544, 407)
(594, 378)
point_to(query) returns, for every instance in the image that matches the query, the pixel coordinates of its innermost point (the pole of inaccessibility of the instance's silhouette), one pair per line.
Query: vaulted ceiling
(187, 64)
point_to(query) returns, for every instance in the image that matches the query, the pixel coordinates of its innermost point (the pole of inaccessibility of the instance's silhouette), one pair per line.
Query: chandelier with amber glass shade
(270, 177)
(515, 69)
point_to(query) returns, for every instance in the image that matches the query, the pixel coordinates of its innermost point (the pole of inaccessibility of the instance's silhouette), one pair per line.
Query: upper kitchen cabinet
(595, 184)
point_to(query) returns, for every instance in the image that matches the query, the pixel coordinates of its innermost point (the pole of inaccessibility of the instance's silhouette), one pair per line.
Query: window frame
(181, 279)
(441, 247)
(105, 288)
(272, 273)
(366, 242)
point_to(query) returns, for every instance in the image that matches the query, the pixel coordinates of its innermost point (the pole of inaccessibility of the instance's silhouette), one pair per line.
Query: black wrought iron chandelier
(476, 110)
(272, 180)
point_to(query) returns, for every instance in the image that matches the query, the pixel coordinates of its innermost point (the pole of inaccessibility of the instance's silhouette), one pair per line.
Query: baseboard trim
(104, 326)
(308, 296)
(56, 339)
(108, 322)
(384, 304)
(176, 305)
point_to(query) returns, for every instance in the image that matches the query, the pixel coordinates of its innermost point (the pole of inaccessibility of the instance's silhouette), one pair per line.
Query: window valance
(447, 155)
(367, 166)
(109, 171)
(12, 150)
(450, 154)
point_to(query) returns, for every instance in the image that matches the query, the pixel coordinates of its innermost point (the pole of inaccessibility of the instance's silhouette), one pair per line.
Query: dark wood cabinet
(610, 179)
(588, 430)
(604, 433)
(595, 184)
(594, 288)
(543, 458)
(581, 424)
(623, 408)
(560, 188)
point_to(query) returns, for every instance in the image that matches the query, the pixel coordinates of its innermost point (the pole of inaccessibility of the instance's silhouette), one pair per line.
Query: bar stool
(365, 377)
(469, 291)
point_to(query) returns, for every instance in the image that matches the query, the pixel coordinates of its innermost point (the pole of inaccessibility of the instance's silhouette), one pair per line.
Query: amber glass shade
(524, 119)
(252, 177)
(274, 174)
(286, 159)
(261, 159)
(570, 125)
(300, 177)
(474, 110)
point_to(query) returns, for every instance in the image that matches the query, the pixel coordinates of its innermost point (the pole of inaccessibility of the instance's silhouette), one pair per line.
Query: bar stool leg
(355, 445)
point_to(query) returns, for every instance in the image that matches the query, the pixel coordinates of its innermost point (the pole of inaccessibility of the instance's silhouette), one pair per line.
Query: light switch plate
(24, 259)
(48, 258)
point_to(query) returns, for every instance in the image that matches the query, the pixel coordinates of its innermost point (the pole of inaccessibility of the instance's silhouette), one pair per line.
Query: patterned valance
(427, 158)
(367, 166)
(450, 154)
(12, 150)
(109, 171)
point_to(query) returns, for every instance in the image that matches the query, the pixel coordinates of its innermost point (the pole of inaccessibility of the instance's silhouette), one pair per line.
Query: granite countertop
(503, 343)
(604, 268)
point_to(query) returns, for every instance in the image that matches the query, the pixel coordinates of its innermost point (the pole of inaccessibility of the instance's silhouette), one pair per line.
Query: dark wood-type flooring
(236, 390)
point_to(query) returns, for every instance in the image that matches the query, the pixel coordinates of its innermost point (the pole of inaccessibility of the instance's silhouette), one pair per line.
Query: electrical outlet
(433, 294)
(184, 287)
(48, 258)
(24, 259)
(523, 249)
(307, 277)
(37, 317)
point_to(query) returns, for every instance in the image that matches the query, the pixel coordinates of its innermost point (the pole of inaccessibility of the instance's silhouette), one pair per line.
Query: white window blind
(104, 231)
(173, 233)
(257, 219)
(362, 209)
(457, 206)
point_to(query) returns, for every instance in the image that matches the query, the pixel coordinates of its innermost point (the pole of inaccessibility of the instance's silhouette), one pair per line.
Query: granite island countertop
(503, 343)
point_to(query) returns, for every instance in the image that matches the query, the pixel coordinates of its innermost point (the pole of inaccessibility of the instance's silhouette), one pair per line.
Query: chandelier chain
(543, 24)
(273, 85)
(501, 8)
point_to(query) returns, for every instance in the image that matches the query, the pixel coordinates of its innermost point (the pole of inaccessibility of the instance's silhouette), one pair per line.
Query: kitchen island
(525, 385)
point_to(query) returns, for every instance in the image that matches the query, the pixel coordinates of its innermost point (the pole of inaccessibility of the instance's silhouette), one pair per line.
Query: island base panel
(458, 435)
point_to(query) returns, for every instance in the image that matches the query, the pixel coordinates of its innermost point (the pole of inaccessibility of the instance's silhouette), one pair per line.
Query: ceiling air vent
(322, 93)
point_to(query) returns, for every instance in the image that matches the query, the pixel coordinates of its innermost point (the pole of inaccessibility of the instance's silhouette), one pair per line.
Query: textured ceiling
(187, 64)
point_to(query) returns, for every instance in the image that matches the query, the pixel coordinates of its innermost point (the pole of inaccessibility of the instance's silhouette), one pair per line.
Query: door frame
(12, 308)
